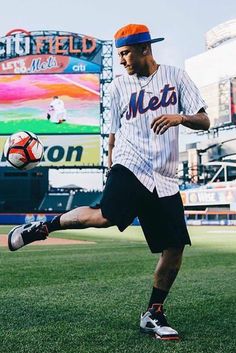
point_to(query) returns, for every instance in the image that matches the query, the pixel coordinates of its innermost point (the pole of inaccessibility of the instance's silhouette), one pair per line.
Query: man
(56, 111)
(147, 107)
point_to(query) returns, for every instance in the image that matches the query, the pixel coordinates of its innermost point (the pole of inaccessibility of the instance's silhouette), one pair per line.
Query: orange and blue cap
(134, 34)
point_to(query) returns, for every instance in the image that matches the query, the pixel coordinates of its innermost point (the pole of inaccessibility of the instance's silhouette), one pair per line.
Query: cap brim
(156, 40)
(120, 42)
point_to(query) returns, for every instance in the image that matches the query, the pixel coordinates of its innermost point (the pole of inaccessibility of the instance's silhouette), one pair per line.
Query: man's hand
(163, 122)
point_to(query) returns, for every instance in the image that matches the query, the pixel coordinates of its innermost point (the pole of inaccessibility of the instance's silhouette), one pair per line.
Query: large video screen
(50, 103)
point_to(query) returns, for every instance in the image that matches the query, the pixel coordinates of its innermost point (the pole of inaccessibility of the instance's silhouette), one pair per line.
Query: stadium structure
(208, 160)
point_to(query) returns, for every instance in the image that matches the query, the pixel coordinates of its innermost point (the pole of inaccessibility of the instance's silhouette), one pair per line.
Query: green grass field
(88, 298)
(39, 126)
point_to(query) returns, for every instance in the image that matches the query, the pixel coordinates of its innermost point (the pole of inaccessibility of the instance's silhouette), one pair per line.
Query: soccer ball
(23, 150)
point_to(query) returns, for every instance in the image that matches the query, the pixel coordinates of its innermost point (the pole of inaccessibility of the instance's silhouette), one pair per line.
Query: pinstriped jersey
(135, 102)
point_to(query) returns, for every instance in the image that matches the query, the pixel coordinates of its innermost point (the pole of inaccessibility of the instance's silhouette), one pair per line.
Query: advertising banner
(36, 64)
(65, 151)
(198, 197)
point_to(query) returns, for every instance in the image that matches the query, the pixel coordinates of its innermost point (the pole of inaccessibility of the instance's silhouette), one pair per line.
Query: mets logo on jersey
(136, 104)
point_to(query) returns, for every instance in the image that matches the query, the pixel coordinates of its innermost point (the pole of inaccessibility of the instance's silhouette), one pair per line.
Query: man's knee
(97, 219)
(104, 222)
(172, 257)
(173, 252)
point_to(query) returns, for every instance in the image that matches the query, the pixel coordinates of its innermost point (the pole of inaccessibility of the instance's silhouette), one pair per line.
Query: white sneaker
(26, 234)
(154, 323)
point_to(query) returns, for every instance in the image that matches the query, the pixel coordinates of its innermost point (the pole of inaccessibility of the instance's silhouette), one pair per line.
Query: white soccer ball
(23, 150)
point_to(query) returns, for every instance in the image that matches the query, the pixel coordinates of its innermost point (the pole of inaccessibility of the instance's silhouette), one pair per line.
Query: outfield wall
(218, 218)
(20, 218)
(195, 218)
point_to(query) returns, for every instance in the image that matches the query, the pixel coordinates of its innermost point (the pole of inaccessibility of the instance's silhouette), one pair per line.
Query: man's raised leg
(79, 218)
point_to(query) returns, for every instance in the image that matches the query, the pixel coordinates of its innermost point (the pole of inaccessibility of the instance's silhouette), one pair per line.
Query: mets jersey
(135, 102)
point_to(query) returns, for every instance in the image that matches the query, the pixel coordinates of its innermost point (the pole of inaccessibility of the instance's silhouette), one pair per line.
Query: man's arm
(199, 121)
(111, 144)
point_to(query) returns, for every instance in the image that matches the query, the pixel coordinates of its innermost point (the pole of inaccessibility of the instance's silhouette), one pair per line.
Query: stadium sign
(22, 51)
(208, 197)
(69, 151)
(19, 41)
(44, 63)
(54, 83)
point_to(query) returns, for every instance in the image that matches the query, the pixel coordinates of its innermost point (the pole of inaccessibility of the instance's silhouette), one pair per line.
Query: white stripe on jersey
(135, 102)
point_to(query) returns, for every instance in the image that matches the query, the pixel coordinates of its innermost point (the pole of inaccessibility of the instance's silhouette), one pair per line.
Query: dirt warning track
(49, 241)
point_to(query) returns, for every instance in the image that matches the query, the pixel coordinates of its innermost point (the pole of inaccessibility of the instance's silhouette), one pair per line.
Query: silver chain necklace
(147, 80)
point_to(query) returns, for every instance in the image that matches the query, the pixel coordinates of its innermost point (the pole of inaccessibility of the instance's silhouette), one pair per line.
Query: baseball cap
(134, 34)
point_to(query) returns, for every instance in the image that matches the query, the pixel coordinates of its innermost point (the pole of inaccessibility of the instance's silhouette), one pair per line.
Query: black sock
(158, 296)
(54, 224)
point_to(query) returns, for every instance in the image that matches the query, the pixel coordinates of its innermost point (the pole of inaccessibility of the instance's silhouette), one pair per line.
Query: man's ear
(145, 50)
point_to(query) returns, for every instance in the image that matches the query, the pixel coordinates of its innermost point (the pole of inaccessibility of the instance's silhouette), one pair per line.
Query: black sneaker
(154, 322)
(26, 234)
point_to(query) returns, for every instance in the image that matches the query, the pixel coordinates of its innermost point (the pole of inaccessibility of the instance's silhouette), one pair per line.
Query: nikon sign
(69, 151)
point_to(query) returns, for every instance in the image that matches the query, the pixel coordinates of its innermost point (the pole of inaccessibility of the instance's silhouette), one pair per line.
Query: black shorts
(162, 219)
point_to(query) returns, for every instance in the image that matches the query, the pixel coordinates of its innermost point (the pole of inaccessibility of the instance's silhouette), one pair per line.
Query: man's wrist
(182, 119)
